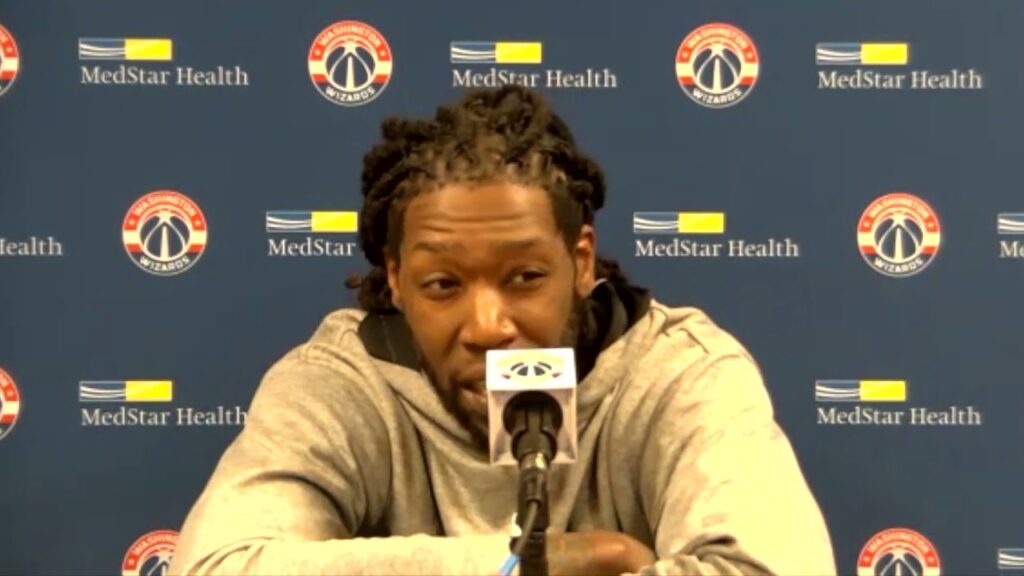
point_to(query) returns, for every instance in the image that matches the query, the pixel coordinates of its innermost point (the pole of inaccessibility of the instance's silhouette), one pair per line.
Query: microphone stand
(533, 561)
(533, 418)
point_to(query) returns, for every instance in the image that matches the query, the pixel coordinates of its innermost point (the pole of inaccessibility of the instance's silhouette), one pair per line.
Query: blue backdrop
(134, 328)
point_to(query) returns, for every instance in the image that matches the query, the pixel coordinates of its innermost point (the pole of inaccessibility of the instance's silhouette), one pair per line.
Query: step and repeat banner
(837, 184)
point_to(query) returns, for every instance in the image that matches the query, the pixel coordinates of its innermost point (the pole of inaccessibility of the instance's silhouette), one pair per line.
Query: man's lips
(472, 392)
(473, 402)
(475, 380)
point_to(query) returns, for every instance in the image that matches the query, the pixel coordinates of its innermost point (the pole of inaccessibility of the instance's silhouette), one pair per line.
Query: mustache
(580, 328)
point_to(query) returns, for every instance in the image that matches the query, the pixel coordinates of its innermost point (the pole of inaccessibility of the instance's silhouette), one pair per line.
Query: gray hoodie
(350, 464)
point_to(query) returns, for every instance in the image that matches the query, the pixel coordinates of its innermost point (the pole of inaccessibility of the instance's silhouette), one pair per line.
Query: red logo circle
(164, 233)
(10, 404)
(9, 59)
(350, 63)
(898, 551)
(151, 554)
(899, 235)
(717, 65)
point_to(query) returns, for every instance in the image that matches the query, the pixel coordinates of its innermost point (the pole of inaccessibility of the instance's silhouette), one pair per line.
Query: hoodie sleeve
(720, 482)
(310, 471)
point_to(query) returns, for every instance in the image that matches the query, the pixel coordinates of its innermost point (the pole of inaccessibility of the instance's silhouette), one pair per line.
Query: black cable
(527, 526)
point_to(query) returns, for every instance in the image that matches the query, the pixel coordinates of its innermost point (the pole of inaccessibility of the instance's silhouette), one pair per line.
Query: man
(365, 451)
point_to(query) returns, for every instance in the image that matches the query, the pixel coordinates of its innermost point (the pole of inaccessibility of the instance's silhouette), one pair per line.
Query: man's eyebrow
(441, 246)
(436, 247)
(520, 244)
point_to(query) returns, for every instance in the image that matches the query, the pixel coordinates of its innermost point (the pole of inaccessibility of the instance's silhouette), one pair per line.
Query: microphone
(531, 409)
(531, 405)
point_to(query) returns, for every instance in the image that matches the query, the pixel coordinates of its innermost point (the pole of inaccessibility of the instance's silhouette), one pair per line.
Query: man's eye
(440, 285)
(528, 277)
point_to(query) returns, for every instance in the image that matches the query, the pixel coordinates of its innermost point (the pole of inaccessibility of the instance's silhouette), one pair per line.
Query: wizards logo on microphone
(530, 368)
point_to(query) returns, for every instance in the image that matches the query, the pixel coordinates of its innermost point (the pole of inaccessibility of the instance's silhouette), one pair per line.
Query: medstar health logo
(1010, 560)
(898, 552)
(717, 65)
(8, 59)
(350, 63)
(164, 233)
(10, 404)
(899, 235)
(1011, 224)
(150, 555)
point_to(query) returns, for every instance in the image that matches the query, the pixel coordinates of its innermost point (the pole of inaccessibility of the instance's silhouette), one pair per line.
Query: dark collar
(611, 310)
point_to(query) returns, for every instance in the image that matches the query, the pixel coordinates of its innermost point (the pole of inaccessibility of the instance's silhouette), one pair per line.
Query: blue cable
(509, 565)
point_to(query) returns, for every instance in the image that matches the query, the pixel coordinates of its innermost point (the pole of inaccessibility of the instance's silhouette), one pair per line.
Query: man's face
(485, 267)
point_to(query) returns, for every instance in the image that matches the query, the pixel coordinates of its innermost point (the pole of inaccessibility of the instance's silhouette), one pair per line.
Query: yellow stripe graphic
(518, 52)
(701, 222)
(890, 54)
(883, 390)
(148, 49)
(149, 390)
(335, 221)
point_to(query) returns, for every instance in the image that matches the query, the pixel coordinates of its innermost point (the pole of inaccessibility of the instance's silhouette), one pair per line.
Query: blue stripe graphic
(1011, 223)
(473, 52)
(289, 221)
(655, 222)
(109, 391)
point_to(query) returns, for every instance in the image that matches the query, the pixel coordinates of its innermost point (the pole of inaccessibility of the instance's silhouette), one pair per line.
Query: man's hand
(596, 553)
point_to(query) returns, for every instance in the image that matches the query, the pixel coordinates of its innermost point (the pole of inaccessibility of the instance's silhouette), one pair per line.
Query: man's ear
(585, 256)
(392, 268)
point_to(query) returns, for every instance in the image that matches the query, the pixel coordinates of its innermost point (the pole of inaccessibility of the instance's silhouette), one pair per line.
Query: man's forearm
(426, 555)
(710, 560)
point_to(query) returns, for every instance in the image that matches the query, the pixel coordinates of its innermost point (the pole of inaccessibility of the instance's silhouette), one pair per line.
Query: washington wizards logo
(717, 65)
(350, 63)
(529, 369)
(150, 555)
(8, 60)
(899, 235)
(10, 404)
(898, 552)
(164, 233)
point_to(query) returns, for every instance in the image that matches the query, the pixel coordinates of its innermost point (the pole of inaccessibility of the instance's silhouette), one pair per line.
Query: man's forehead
(479, 201)
(441, 244)
(509, 217)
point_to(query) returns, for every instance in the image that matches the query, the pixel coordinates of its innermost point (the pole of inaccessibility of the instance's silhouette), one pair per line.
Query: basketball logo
(899, 235)
(9, 59)
(164, 233)
(350, 63)
(10, 404)
(717, 65)
(898, 552)
(150, 555)
(527, 369)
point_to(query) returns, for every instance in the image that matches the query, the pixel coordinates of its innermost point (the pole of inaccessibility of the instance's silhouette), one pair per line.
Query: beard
(578, 327)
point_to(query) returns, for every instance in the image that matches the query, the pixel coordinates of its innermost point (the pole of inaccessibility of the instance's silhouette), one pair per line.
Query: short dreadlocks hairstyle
(500, 134)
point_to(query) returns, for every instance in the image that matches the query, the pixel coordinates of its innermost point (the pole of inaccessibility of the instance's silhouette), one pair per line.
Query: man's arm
(311, 471)
(720, 482)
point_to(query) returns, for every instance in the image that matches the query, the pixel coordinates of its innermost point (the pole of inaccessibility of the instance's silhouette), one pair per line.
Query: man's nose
(489, 324)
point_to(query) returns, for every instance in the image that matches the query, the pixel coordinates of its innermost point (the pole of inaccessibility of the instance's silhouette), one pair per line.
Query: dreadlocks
(507, 133)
